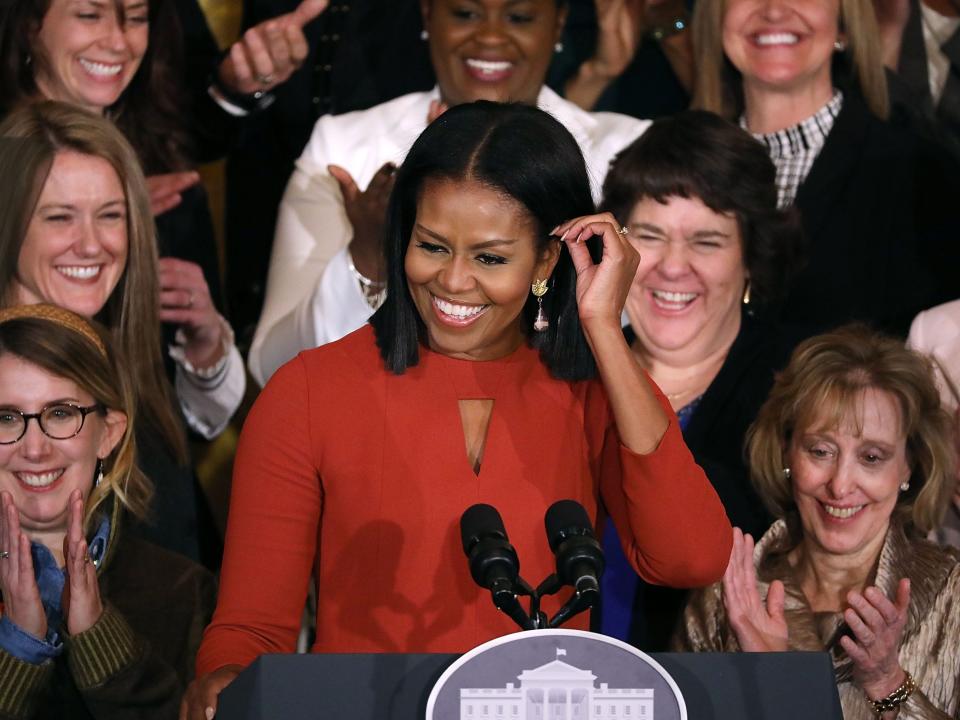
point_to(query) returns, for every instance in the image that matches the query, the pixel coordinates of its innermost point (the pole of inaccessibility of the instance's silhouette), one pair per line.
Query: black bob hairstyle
(526, 155)
(697, 154)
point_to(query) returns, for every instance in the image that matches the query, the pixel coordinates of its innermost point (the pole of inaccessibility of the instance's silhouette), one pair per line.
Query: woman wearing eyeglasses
(91, 626)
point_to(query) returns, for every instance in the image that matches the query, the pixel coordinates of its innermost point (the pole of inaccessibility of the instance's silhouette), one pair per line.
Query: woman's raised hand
(200, 700)
(601, 288)
(81, 593)
(21, 596)
(269, 53)
(185, 300)
(759, 626)
(877, 625)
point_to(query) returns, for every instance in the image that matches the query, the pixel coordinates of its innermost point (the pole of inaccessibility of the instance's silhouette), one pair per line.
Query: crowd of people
(495, 266)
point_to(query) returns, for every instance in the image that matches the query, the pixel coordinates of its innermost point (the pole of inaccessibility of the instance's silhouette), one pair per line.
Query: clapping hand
(81, 593)
(759, 626)
(619, 29)
(21, 596)
(185, 300)
(166, 189)
(367, 212)
(269, 53)
(601, 288)
(877, 625)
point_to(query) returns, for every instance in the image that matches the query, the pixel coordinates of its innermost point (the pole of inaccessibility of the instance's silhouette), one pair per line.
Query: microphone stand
(506, 597)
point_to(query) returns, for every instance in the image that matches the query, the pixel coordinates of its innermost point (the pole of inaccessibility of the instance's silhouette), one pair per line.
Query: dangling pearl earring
(539, 289)
(98, 473)
(746, 293)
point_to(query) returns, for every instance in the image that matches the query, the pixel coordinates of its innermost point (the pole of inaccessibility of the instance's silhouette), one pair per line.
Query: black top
(715, 436)
(881, 216)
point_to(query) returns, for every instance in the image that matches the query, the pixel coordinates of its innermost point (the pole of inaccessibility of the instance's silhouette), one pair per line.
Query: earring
(98, 473)
(746, 293)
(558, 47)
(787, 473)
(424, 35)
(839, 45)
(539, 289)
(904, 486)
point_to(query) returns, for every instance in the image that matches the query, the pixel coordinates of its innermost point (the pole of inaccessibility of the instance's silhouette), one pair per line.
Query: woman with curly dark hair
(697, 196)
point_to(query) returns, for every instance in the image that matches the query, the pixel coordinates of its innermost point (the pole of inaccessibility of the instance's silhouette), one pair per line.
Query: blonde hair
(825, 379)
(30, 138)
(719, 85)
(68, 346)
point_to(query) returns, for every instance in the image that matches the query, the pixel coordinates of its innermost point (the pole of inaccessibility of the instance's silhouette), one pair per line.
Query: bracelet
(245, 104)
(207, 374)
(674, 27)
(895, 699)
(373, 292)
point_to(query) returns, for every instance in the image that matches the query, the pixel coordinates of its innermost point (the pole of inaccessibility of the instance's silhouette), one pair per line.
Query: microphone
(493, 561)
(579, 556)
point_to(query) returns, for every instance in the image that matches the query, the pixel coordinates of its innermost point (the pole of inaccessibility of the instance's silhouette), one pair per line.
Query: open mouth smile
(456, 314)
(489, 70)
(39, 481)
(841, 513)
(79, 272)
(101, 70)
(673, 301)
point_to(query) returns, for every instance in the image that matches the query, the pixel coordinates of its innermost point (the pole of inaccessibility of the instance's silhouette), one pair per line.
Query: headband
(58, 316)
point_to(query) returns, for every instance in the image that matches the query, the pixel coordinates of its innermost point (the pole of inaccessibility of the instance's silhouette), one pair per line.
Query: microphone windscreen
(479, 521)
(565, 518)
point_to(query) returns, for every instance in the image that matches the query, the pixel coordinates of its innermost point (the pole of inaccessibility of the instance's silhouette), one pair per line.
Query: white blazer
(312, 298)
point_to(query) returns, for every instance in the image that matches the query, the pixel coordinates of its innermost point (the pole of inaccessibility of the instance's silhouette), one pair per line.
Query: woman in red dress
(469, 385)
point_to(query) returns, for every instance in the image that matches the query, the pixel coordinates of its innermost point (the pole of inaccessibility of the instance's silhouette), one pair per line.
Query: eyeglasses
(60, 421)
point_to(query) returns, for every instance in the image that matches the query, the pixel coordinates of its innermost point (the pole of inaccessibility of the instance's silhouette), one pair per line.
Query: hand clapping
(877, 625)
(759, 626)
(21, 596)
(185, 300)
(81, 594)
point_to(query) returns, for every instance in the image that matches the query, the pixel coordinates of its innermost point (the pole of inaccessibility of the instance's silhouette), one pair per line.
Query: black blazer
(715, 436)
(882, 220)
(910, 85)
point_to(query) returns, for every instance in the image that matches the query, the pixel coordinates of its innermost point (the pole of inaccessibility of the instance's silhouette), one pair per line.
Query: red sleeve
(272, 530)
(675, 530)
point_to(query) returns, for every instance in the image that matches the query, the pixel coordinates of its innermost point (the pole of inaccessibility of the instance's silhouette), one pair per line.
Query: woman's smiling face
(39, 472)
(491, 49)
(75, 249)
(689, 284)
(470, 263)
(90, 50)
(846, 479)
(783, 45)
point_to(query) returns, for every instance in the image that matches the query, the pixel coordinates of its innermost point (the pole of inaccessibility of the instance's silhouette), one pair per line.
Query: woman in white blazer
(324, 279)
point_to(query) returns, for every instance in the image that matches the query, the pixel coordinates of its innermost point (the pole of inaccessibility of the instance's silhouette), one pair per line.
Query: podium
(715, 686)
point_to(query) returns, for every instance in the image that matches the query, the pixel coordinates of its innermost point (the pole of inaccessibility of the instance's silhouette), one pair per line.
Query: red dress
(361, 476)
